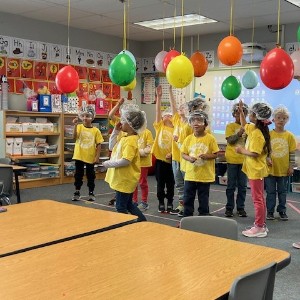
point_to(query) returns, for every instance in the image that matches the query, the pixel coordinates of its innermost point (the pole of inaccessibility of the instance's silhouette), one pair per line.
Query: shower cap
(87, 109)
(281, 110)
(197, 103)
(235, 108)
(198, 114)
(262, 111)
(135, 118)
(167, 112)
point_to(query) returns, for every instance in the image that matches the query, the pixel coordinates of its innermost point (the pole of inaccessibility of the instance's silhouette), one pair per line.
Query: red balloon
(67, 79)
(200, 64)
(169, 56)
(230, 50)
(277, 69)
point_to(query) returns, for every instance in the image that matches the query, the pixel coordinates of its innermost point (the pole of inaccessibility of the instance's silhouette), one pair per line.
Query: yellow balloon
(180, 71)
(130, 86)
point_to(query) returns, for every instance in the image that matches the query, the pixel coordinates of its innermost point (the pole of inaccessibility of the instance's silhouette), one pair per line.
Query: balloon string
(181, 41)
(174, 30)
(252, 40)
(127, 24)
(164, 26)
(69, 17)
(278, 23)
(231, 14)
(198, 37)
(124, 27)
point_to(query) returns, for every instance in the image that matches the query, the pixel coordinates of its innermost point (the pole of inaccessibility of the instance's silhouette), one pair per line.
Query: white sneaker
(143, 206)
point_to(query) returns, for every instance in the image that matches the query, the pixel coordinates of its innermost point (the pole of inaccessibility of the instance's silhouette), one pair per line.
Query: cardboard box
(45, 103)
(17, 149)
(9, 146)
(14, 127)
(30, 127)
(45, 127)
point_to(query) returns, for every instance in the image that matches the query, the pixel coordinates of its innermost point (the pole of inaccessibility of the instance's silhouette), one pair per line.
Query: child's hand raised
(75, 121)
(118, 126)
(159, 91)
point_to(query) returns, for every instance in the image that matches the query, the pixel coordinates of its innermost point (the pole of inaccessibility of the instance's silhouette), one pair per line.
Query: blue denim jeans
(276, 184)
(190, 190)
(179, 179)
(236, 178)
(124, 205)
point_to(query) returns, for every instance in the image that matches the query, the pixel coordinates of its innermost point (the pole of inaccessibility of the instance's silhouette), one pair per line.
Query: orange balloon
(230, 50)
(200, 64)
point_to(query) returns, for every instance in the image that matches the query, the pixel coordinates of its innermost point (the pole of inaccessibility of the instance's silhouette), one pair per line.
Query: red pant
(257, 193)
(143, 182)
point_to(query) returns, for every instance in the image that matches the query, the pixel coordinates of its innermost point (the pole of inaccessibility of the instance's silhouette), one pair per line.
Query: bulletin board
(220, 108)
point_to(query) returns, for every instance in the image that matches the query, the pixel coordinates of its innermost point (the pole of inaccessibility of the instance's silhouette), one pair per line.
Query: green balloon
(298, 34)
(231, 88)
(122, 70)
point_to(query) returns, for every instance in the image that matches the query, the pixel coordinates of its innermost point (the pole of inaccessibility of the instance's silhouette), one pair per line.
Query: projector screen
(220, 108)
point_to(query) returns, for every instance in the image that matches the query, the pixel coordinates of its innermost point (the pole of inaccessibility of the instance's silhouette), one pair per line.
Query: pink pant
(257, 193)
(143, 182)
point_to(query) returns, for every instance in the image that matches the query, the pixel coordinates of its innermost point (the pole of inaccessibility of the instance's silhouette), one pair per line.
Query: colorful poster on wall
(39, 85)
(43, 51)
(149, 82)
(78, 56)
(94, 74)
(105, 76)
(40, 70)
(90, 58)
(56, 53)
(30, 49)
(99, 59)
(107, 89)
(52, 70)
(27, 68)
(13, 67)
(4, 45)
(53, 88)
(82, 72)
(116, 91)
(93, 87)
(17, 48)
(2, 66)
(21, 84)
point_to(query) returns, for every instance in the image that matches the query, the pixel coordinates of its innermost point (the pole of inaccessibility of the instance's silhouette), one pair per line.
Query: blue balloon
(250, 80)
(130, 55)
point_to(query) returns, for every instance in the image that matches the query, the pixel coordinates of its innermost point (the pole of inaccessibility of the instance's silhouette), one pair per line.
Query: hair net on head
(281, 110)
(197, 104)
(235, 108)
(87, 109)
(198, 114)
(128, 105)
(167, 112)
(262, 111)
(135, 118)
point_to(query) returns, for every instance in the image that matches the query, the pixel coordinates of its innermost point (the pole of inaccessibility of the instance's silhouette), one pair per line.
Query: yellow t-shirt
(231, 156)
(255, 167)
(201, 170)
(163, 141)
(282, 143)
(125, 179)
(86, 142)
(185, 131)
(145, 139)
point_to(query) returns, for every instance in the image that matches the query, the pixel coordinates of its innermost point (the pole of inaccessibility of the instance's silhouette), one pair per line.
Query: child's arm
(98, 150)
(292, 163)
(158, 104)
(246, 152)
(75, 122)
(122, 162)
(207, 156)
(242, 115)
(189, 158)
(114, 136)
(172, 101)
(113, 111)
(145, 152)
(233, 139)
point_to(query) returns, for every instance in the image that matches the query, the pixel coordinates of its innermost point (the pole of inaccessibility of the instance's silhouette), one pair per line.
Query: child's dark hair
(261, 125)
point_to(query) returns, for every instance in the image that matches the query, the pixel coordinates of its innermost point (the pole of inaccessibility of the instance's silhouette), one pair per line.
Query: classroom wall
(17, 26)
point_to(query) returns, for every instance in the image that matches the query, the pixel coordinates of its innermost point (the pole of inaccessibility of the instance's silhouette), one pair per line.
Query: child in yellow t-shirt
(235, 136)
(124, 168)
(256, 150)
(162, 150)
(145, 144)
(200, 151)
(282, 163)
(87, 150)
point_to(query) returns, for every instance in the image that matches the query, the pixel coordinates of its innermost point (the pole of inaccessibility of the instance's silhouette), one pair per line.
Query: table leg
(17, 186)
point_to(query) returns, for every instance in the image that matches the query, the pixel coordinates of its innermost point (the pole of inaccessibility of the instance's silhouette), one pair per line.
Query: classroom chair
(6, 184)
(258, 285)
(217, 226)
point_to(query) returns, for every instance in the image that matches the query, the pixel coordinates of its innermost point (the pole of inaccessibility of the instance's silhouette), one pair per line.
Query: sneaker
(161, 208)
(255, 231)
(228, 213)
(283, 216)
(76, 196)
(143, 206)
(112, 202)
(242, 213)
(270, 216)
(2, 209)
(180, 214)
(171, 211)
(179, 208)
(91, 197)
(296, 245)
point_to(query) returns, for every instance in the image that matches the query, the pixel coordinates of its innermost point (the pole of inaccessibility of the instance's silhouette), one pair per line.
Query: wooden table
(39, 223)
(17, 170)
(138, 261)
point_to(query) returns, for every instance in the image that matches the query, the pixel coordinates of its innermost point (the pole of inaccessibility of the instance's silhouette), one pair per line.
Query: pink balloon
(67, 79)
(277, 69)
(295, 56)
(159, 61)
